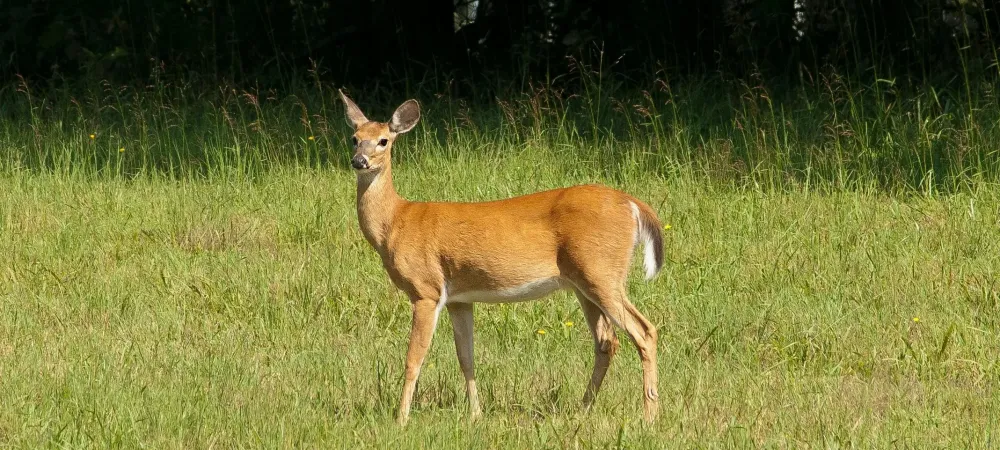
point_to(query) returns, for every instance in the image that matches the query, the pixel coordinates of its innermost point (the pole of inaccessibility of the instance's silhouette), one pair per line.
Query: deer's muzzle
(359, 162)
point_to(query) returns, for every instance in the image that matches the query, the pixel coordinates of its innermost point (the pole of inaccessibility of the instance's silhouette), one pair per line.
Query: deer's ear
(355, 117)
(405, 117)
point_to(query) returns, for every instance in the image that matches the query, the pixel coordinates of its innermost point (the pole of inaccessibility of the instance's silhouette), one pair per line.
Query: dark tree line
(372, 40)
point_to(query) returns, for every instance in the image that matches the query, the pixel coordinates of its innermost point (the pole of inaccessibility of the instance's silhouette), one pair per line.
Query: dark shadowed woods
(386, 41)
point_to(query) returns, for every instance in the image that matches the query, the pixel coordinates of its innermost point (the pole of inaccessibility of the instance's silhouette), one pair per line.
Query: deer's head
(373, 140)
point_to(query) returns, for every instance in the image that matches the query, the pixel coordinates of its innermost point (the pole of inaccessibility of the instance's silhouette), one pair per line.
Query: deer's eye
(383, 142)
(354, 141)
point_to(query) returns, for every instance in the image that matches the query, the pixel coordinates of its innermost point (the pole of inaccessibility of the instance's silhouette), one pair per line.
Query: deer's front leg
(422, 329)
(461, 321)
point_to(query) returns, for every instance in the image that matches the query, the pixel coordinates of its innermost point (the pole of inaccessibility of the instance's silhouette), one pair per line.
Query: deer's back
(506, 243)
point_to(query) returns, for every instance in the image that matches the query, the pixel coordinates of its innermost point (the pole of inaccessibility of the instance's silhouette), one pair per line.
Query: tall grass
(825, 130)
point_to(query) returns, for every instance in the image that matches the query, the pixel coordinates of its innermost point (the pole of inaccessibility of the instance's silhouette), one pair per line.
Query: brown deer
(451, 255)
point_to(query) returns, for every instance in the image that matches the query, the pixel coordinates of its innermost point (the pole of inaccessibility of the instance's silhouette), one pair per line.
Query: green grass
(825, 131)
(252, 313)
(831, 275)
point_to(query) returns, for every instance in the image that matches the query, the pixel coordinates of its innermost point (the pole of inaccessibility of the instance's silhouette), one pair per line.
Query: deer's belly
(528, 291)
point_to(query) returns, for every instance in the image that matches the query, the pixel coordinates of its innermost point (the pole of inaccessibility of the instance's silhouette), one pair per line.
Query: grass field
(194, 277)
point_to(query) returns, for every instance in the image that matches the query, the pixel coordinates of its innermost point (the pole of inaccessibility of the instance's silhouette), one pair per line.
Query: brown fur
(582, 236)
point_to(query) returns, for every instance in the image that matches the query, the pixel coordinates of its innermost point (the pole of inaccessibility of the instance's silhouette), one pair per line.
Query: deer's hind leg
(605, 344)
(612, 300)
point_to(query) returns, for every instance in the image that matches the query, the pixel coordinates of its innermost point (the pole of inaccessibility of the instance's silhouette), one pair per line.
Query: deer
(450, 255)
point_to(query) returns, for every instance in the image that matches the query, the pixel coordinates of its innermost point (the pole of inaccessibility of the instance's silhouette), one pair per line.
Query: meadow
(182, 267)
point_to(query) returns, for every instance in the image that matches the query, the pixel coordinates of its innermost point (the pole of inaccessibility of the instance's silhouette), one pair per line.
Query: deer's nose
(359, 162)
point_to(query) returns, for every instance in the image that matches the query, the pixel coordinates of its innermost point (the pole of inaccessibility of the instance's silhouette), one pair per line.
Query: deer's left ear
(405, 117)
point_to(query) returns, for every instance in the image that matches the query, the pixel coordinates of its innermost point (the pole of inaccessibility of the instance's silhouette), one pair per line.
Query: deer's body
(451, 255)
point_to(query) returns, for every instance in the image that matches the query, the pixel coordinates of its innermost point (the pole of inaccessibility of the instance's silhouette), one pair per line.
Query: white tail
(648, 231)
(450, 255)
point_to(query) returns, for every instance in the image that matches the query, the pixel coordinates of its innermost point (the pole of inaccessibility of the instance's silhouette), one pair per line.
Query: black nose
(359, 162)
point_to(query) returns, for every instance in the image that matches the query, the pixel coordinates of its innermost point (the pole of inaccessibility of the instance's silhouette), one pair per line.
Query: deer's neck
(377, 205)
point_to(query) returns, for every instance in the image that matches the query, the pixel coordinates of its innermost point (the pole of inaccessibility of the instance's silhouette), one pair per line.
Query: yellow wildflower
(569, 323)
(666, 227)
(312, 138)
(540, 332)
(916, 320)
(92, 135)
(121, 150)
